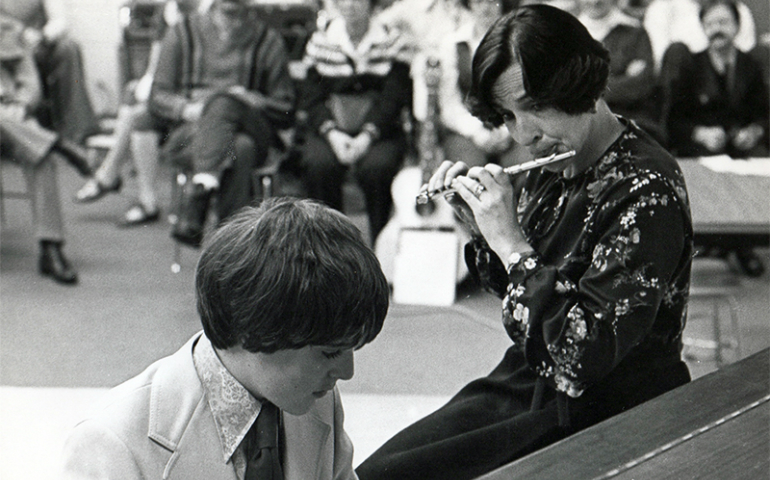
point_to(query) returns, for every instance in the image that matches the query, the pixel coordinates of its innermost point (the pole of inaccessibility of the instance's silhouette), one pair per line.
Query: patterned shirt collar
(233, 407)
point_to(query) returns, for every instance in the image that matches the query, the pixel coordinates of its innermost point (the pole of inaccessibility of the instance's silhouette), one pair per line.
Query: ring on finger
(479, 188)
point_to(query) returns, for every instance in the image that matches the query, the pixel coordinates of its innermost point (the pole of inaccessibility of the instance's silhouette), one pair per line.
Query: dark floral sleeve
(575, 332)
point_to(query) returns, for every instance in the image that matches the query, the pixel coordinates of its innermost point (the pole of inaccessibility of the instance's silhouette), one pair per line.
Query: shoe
(54, 264)
(92, 190)
(76, 155)
(138, 215)
(193, 210)
(750, 263)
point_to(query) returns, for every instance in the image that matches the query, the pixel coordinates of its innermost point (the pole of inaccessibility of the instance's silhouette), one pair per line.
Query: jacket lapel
(307, 446)
(181, 422)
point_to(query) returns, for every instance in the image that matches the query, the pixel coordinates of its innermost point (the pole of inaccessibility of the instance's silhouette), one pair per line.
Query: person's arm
(385, 114)
(746, 39)
(657, 21)
(144, 84)
(454, 115)
(272, 89)
(756, 123)
(684, 111)
(167, 100)
(631, 79)
(93, 452)
(575, 331)
(315, 91)
(28, 91)
(582, 329)
(56, 26)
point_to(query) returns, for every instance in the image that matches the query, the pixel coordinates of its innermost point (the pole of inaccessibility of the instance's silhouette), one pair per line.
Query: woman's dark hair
(563, 67)
(730, 4)
(288, 274)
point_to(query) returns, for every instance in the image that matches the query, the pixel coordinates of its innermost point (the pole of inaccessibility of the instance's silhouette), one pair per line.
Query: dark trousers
(229, 141)
(323, 176)
(67, 108)
(510, 413)
(486, 425)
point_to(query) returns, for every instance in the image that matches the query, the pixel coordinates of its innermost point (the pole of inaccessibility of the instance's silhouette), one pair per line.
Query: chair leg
(177, 187)
(718, 356)
(733, 305)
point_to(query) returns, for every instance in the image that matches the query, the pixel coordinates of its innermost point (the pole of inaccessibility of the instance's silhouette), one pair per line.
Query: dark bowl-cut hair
(288, 274)
(563, 67)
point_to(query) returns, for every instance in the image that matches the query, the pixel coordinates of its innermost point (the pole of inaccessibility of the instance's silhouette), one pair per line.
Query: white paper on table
(749, 166)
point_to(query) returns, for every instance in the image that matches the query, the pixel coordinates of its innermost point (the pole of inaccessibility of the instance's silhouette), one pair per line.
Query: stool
(716, 288)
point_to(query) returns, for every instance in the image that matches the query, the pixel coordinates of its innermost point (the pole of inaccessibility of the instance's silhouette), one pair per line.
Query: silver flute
(425, 197)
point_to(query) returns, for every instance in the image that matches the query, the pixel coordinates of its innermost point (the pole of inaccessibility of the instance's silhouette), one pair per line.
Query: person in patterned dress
(591, 257)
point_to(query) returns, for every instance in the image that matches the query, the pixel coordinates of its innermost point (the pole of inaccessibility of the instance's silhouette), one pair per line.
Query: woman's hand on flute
(442, 179)
(489, 194)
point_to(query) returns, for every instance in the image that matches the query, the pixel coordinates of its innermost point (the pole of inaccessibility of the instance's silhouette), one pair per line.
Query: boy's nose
(344, 367)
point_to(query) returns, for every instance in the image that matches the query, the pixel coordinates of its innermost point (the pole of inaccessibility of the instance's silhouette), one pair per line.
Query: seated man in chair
(222, 85)
(65, 106)
(34, 148)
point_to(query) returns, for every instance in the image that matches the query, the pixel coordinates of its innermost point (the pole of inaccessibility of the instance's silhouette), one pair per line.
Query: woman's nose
(523, 132)
(344, 367)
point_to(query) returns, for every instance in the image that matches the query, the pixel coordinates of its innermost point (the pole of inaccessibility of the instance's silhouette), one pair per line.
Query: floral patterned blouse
(610, 274)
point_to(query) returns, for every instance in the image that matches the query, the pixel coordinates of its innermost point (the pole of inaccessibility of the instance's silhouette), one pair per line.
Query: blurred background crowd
(227, 94)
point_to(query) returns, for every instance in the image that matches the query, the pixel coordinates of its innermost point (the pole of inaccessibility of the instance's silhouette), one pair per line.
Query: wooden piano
(716, 427)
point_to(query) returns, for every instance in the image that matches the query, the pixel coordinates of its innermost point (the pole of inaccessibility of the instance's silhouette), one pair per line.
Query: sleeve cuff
(326, 127)
(372, 130)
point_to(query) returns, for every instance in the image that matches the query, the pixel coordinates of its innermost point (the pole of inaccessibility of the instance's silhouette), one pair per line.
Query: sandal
(138, 215)
(93, 190)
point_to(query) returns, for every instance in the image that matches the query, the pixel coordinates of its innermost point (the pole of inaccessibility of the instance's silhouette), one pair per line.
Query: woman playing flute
(591, 257)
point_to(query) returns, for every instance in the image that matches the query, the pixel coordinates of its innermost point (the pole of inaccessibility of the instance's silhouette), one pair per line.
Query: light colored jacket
(159, 425)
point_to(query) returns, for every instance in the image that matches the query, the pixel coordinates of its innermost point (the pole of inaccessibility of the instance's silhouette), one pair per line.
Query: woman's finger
(445, 173)
(469, 189)
(437, 179)
(482, 176)
(459, 168)
(496, 171)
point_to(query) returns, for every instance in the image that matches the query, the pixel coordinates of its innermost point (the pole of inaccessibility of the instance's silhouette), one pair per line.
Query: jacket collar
(180, 418)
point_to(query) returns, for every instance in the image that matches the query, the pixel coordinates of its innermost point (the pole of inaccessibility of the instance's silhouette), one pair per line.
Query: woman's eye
(332, 354)
(508, 116)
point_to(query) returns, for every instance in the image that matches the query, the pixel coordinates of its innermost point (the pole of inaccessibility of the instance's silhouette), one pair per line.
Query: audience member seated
(464, 137)
(424, 25)
(135, 138)
(356, 89)
(222, 86)
(671, 21)
(719, 103)
(631, 85)
(66, 105)
(24, 141)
